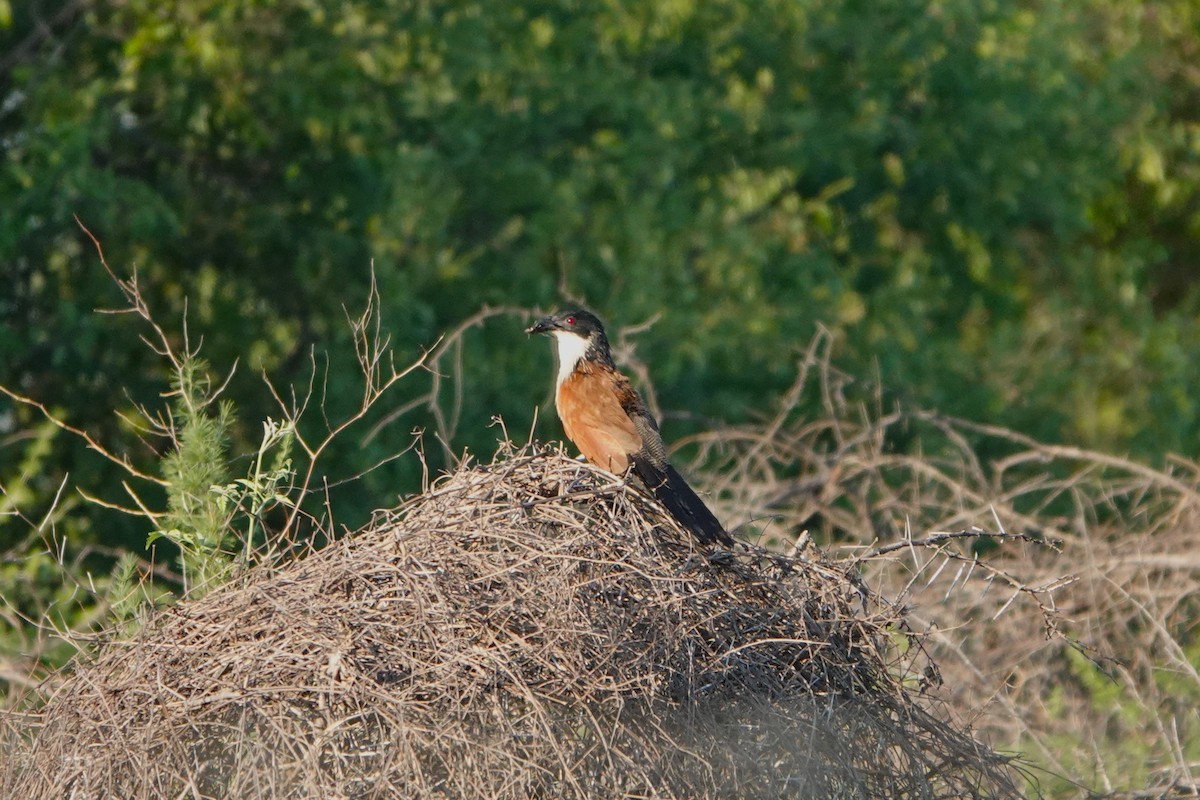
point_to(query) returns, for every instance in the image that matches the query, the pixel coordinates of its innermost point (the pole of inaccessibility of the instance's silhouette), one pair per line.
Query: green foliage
(125, 597)
(20, 491)
(32, 589)
(35, 602)
(957, 189)
(1131, 746)
(265, 488)
(198, 518)
(217, 524)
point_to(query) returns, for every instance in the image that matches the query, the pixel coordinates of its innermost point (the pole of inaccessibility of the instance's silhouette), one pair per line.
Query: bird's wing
(651, 466)
(650, 441)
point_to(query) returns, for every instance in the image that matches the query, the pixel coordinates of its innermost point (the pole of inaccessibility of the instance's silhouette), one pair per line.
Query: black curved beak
(543, 325)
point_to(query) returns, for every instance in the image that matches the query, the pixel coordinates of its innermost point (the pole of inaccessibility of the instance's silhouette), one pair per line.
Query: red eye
(570, 320)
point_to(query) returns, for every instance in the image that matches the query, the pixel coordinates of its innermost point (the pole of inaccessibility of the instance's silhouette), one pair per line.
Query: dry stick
(1036, 593)
(1075, 454)
(137, 305)
(122, 461)
(1012, 710)
(625, 354)
(938, 537)
(314, 451)
(816, 353)
(432, 358)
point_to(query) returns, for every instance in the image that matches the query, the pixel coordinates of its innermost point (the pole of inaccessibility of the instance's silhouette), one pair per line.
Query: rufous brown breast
(591, 413)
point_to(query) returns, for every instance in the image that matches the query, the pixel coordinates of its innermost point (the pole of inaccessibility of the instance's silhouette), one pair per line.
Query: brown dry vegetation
(1070, 638)
(530, 628)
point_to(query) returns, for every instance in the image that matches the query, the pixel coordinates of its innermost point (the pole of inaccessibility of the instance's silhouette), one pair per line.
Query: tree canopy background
(993, 205)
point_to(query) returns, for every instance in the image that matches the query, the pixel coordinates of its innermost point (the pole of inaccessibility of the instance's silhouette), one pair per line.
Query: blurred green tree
(992, 205)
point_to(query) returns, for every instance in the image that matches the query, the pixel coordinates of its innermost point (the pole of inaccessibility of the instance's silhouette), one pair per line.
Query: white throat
(571, 348)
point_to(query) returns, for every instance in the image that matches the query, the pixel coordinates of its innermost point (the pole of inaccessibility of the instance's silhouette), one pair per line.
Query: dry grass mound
(529, 628)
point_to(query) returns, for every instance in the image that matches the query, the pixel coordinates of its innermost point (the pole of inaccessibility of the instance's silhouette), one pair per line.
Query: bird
(605, 417)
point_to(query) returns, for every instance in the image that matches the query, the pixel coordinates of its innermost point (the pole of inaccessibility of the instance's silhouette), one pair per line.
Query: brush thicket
(529, 628)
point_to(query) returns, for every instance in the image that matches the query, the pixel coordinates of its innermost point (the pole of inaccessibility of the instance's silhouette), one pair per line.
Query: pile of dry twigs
(528, 628)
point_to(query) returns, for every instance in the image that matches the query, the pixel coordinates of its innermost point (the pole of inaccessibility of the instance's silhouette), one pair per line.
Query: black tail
(685, 506)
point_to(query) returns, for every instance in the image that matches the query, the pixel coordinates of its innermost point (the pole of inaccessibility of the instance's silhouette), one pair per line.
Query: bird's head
(578, 334)
(569, 322)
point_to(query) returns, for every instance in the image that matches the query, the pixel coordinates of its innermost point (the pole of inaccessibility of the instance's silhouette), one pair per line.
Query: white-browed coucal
(605, 417)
